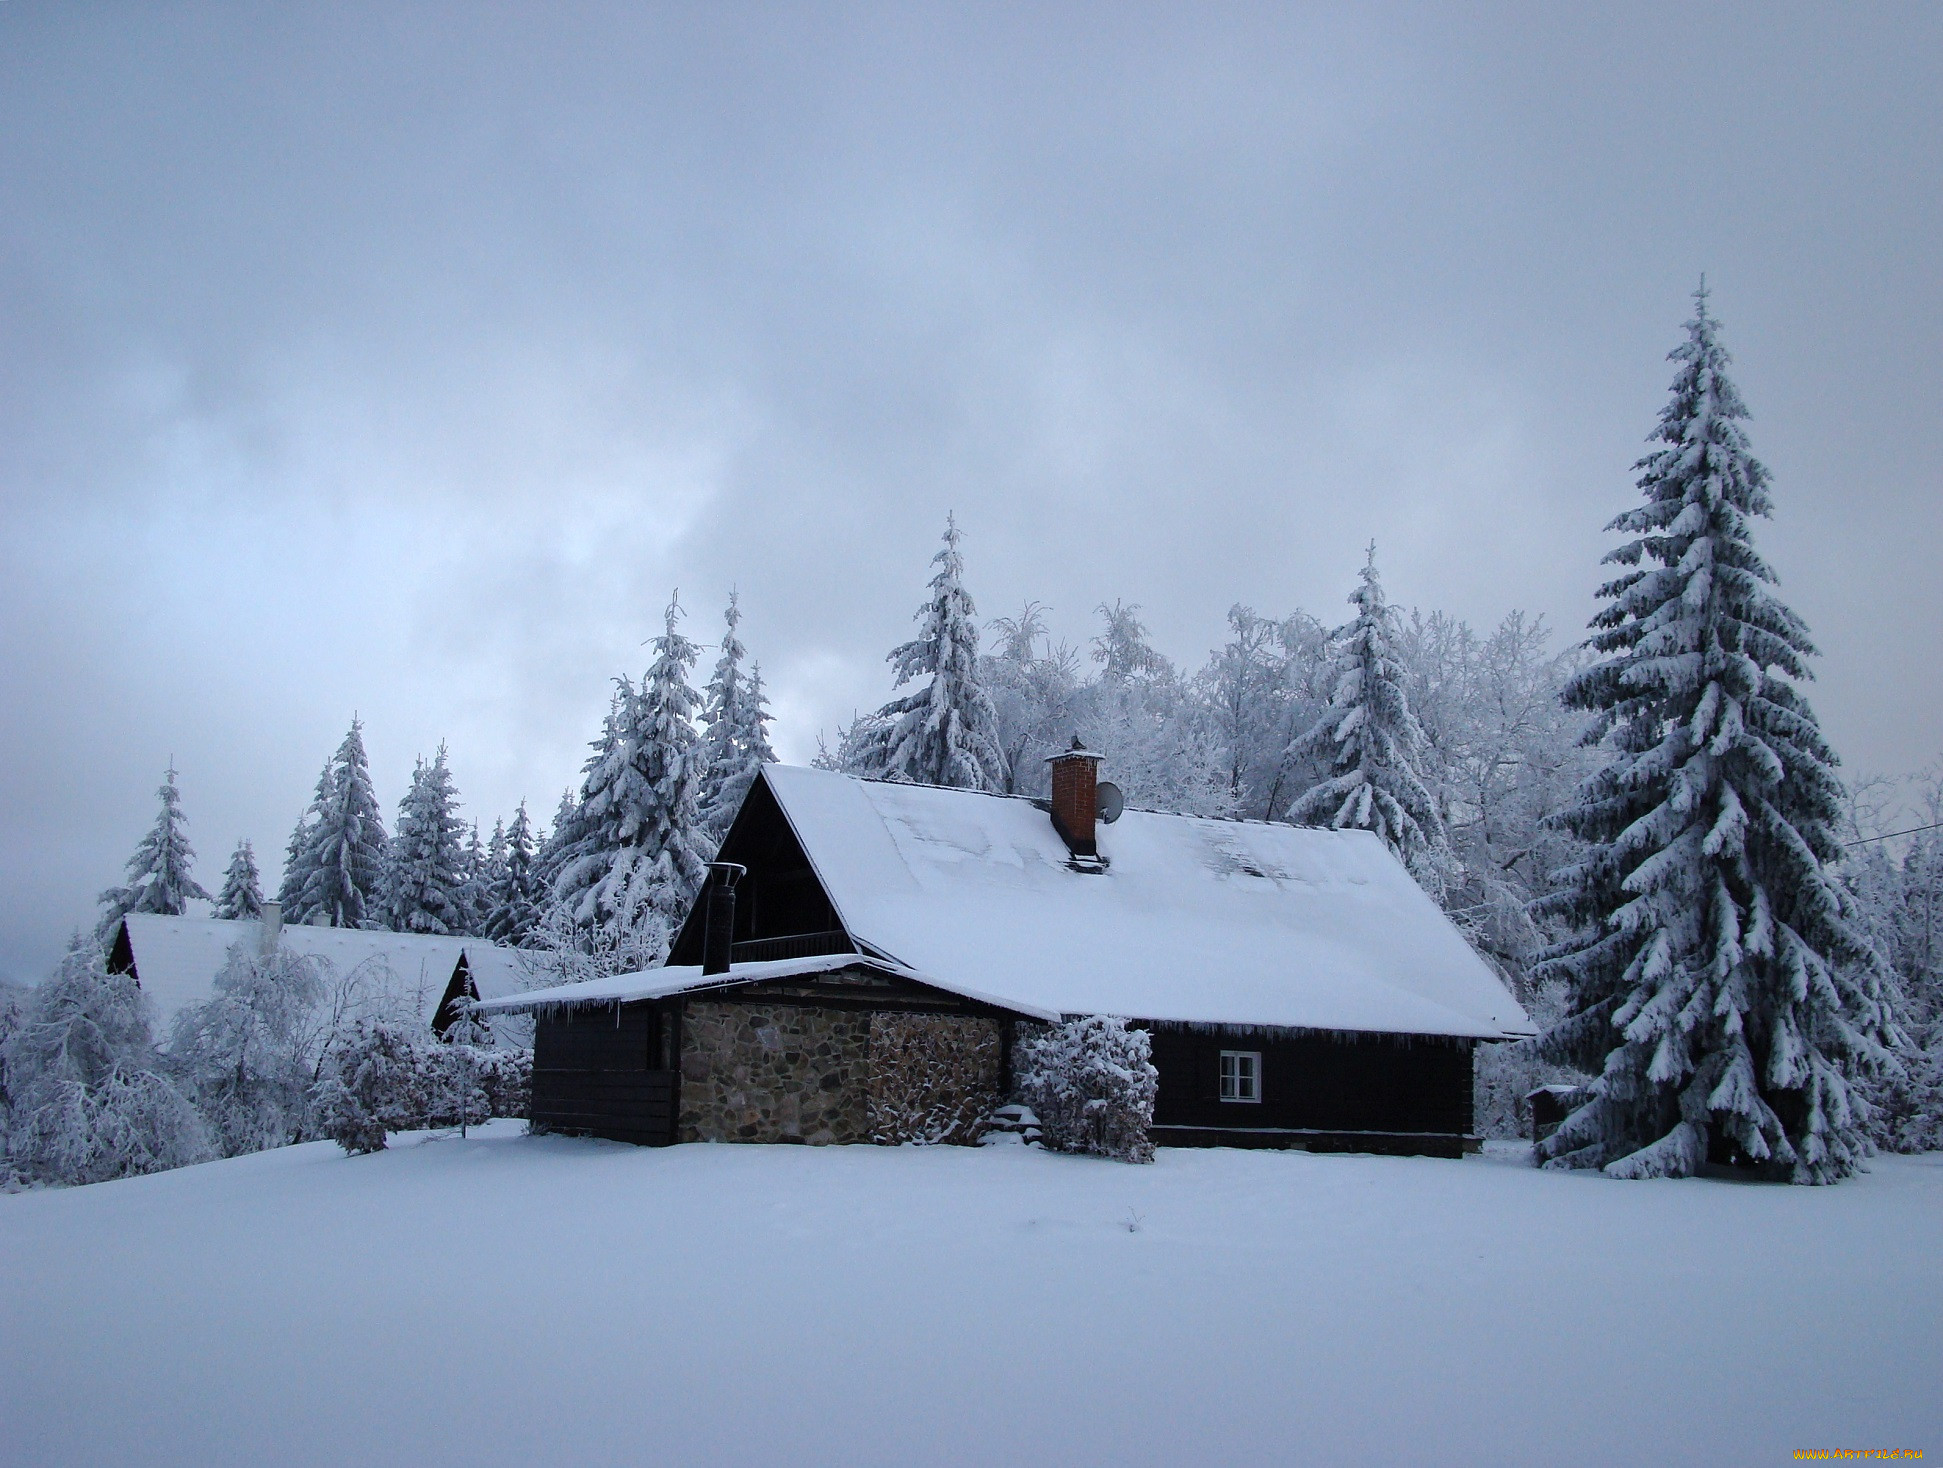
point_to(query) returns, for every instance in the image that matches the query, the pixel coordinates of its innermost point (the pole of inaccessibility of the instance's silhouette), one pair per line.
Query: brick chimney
(1075, 797)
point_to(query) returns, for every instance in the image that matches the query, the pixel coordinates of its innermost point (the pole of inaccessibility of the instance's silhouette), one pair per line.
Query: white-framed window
(1241, 1075)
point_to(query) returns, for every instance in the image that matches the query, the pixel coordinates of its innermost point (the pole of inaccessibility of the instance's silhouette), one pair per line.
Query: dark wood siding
(601, 1071)
(1367, 1092)
(778, 901)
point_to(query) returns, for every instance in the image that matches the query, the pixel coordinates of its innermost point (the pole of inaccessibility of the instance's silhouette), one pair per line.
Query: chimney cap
(1076, 751)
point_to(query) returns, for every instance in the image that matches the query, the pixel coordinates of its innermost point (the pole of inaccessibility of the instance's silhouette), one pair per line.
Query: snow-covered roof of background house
(177, 960)
(1195, 920)
(659, 983)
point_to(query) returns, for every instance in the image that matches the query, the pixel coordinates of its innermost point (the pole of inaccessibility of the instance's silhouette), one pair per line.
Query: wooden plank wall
(1374, 1083)
(598, 1071)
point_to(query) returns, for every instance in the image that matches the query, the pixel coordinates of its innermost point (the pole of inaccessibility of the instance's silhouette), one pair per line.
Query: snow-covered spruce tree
(1720, 994)
(296, 852)
(243, 1055)
(158, 872)
(517, 892)
(87, 1096)
(756, 720)
(334, 874)
(735, 737)
(478, 873)
(427, 877)
(551, 850)
(241, 896)
(1092, 1083)
(634, 853)
(946, 732)
(1372, 742)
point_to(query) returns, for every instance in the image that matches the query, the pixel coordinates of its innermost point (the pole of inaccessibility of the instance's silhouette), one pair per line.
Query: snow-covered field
(507, 1299)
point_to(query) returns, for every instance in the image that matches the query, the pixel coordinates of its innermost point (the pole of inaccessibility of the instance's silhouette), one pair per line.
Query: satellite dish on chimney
(1111, 802)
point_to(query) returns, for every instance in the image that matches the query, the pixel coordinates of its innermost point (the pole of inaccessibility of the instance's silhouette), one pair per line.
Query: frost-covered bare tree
(1036, 695)
(1145, 719)
(246, 1055)
(87, 1096)
(1259, 690)
(1893, 872)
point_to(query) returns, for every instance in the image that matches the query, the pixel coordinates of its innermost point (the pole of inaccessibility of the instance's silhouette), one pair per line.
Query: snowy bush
(370, 1087)
(385, 1078)
(86, 1098)
(243, 1056)
(1092, 1082)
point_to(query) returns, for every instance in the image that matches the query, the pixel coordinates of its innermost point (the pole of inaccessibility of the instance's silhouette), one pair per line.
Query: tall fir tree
(1370, 741)
(426, 890)
(553, 848)
(297, 851)
(490, 878)
(158, 872)
(518, 892)
(241, 897)
(481, 869)
(735, 736)
(946, 732)
(1720, 994)
(633, 853)
(334, 875)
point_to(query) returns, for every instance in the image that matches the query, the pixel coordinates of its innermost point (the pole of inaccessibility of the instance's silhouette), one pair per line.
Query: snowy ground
(508, 1299)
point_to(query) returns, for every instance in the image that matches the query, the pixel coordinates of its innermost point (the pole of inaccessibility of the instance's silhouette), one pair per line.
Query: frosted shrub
(506, 1076)
(371, 1086)
(1092, 1082)
(385, 1078)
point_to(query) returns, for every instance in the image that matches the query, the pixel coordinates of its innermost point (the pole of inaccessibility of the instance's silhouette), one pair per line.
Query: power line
(1892, 835)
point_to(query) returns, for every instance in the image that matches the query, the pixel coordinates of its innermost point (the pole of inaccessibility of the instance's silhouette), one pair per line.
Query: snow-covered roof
(1195, 920)
(177, 959)
(659, 983)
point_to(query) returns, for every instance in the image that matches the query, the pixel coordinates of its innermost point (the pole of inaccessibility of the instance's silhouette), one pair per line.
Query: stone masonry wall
(774, 1073)
(790, 1072)
(933, 1077)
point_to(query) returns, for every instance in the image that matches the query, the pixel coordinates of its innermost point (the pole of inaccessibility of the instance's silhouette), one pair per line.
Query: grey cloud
(405, 359)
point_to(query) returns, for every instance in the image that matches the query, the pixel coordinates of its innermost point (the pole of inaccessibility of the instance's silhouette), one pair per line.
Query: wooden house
(866, 953)
(175, 961)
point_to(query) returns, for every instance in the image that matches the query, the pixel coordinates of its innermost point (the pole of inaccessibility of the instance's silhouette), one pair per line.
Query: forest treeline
(1732, 955)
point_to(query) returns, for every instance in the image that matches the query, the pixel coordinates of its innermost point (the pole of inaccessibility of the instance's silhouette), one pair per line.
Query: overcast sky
(403, 359)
